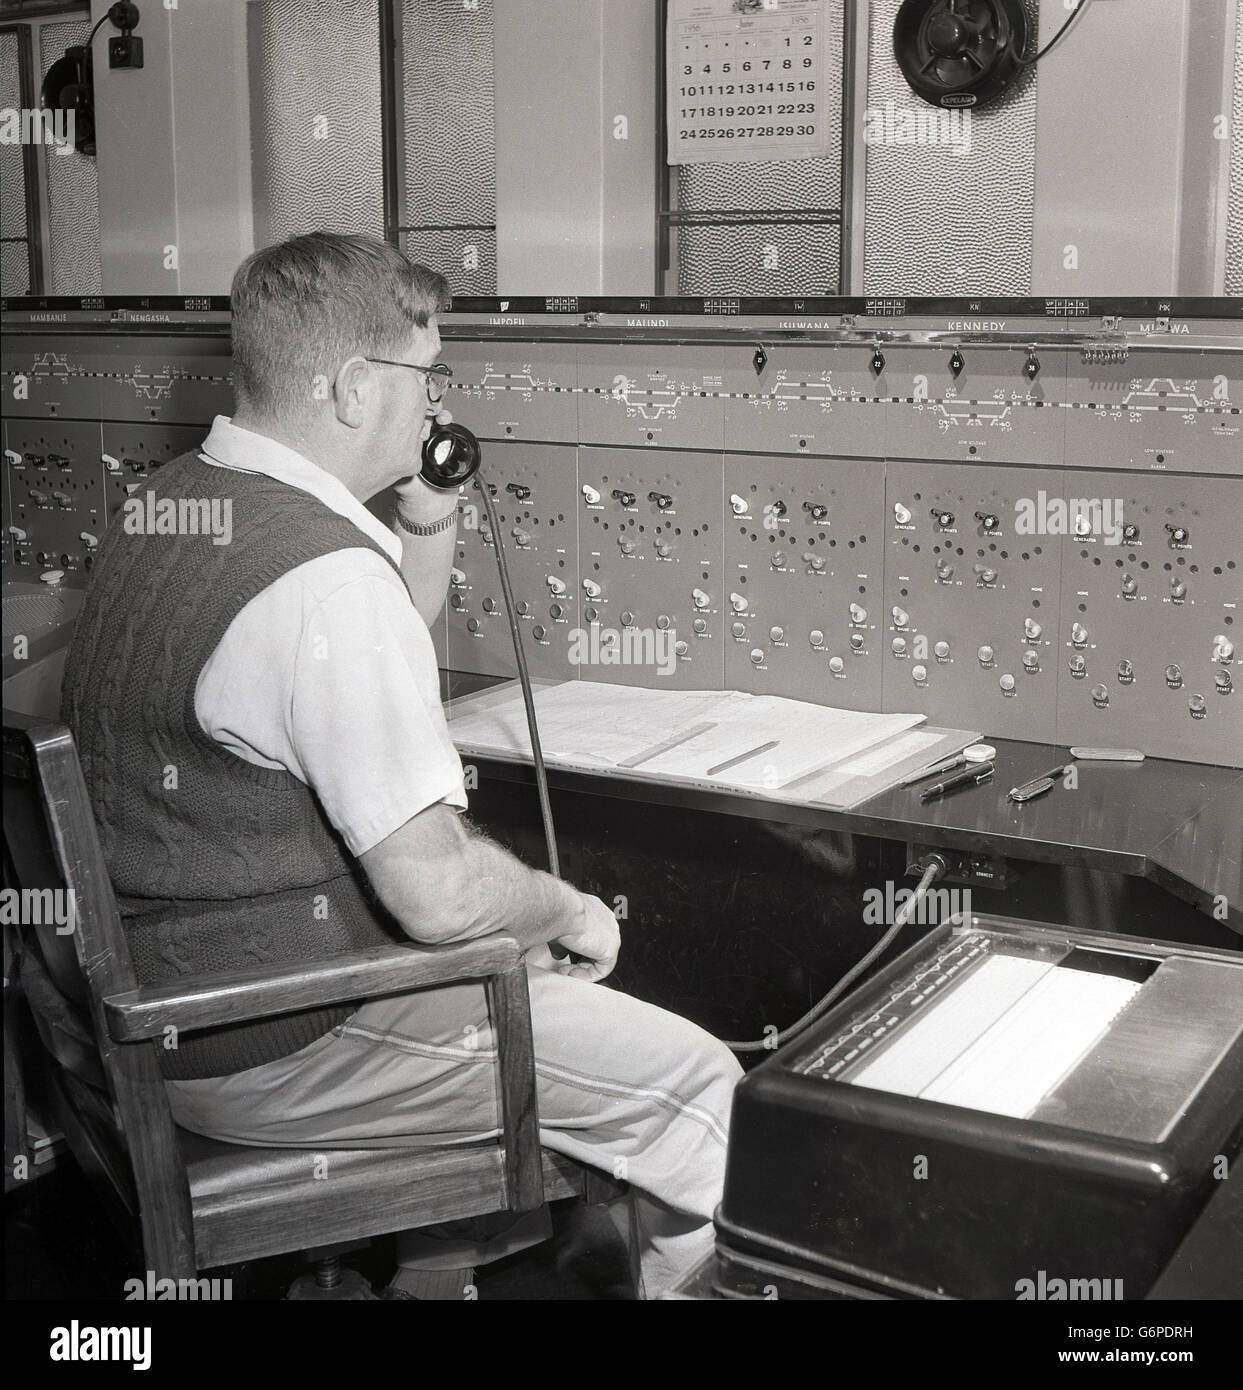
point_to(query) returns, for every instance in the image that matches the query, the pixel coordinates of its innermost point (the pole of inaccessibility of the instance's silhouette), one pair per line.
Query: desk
(1178, 825)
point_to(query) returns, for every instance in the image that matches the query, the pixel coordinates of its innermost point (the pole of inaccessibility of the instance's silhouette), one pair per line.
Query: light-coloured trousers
(623, 1086)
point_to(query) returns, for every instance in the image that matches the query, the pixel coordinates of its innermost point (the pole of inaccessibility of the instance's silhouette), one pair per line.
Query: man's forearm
(425, 565)
(444, 882)
(502, 894)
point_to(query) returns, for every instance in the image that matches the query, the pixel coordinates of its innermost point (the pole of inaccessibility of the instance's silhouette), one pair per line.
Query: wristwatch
(433, 528)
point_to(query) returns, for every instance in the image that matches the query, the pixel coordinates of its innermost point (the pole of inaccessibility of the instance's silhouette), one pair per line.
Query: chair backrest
(144, 1125)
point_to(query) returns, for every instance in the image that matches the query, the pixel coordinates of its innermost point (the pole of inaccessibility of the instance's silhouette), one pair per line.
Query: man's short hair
(303, 307)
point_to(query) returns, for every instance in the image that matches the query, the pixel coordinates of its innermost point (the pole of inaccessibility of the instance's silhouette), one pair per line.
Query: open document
(762, 745)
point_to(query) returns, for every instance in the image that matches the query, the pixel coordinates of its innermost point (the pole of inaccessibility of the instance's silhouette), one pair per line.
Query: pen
(947, 765)
(969, 775)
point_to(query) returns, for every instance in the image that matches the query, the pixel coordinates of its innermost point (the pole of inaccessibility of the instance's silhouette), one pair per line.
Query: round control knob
(664, 622)
(1078, 634)
(625, 546)
(778, 559)
(472, 625)
(898, 645)
(1177, 589)
(1223, 648)
(523, 606)
(858, 614)
(590, 588)
(944, 571)
(919, 673)
(816, 638)
(757, 657)
(1196, 704)
(739, 505)
(817, 509)
(1077, 665)
(590, 495)
(987, 576)
(901, 514)
(739, 629)
(1130, 532)
(52, 577)
(1032, 629)
(699, 598)
(1224, 681)
(856, 641)
(1173, 675)
(1179, 535)
(943, 519)
(627, 619)
(664, 549)
(489, 605)
(700, 626)
(1129, 584)
(836, 665)
(1006, 683)
(985, 655)
(1031, 661)
(557, 586)
(1126, 671)
(816, 562)
(522, 537)
(591, 614)
(457, 578)
(901, 617)
(539, 632)
(987, 520)
(1100, 695)
(941, 650)
(457, 601)
(777, 634)
(738, 603)
(680, 648)
(556, 611)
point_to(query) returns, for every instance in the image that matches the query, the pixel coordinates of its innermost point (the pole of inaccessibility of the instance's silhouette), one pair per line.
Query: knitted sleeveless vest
(217, 864)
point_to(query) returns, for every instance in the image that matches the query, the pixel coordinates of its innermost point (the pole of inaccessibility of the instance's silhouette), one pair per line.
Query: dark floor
(60, 1245)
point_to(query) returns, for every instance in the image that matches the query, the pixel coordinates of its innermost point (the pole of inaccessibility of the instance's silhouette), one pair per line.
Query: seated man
(261, 732)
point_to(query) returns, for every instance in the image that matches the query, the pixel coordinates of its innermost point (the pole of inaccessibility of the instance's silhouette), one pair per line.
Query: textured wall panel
(315, 117)
(12, 170)
(1234, 237)
(72, 190)
(467, 259)
(764, 259)
(14, 268)
(941, 222)
(450, 121)
(713, 260)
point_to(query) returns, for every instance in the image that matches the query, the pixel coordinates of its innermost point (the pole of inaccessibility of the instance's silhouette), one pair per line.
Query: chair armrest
(235, 996)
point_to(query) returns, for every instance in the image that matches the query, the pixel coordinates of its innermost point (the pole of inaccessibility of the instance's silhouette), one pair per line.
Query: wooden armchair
(200, 1203)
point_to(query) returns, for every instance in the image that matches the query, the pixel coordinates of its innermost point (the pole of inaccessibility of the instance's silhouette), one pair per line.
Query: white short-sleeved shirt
(330, 672)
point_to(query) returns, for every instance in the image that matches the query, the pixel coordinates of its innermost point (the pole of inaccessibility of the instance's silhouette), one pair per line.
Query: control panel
(1009, 526)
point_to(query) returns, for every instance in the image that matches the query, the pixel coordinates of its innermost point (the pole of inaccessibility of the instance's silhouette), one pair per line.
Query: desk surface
(1178, 824)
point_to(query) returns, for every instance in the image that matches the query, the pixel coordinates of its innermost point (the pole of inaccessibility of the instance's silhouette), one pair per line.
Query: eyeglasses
(437, 376)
